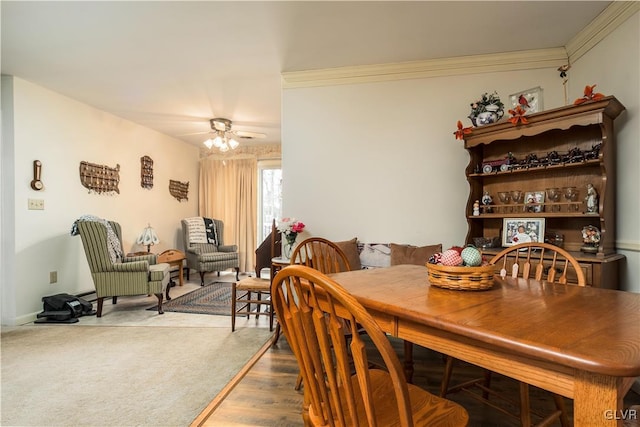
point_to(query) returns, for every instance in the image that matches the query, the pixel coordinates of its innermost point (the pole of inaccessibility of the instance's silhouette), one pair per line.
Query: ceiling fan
(223, 136)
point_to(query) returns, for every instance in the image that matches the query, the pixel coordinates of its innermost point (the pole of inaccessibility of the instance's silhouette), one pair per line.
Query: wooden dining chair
(541, 262)
(340, 387)
(322, 255)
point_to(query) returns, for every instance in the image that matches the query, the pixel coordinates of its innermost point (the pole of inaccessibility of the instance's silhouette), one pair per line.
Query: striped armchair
(115, 275)
(205, 249)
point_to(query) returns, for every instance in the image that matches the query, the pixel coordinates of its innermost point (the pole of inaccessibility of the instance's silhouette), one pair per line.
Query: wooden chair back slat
(552, 263)
(320, 254)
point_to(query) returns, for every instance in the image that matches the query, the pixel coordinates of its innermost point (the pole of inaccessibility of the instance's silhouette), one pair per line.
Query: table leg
(598, 400)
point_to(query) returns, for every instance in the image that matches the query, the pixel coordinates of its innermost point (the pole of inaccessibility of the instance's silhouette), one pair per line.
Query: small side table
(276, 265)
(174, 258)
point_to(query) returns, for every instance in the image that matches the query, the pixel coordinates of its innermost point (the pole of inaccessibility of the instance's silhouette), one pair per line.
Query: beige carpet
(131, 367)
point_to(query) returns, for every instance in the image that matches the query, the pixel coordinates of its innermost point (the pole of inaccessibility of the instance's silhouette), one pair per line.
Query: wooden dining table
(580, 342)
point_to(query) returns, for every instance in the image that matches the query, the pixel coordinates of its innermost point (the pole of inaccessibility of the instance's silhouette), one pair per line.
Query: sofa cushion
(417, 255)
(350, 249)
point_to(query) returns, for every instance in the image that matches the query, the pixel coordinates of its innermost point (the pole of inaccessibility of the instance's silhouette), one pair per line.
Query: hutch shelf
(571, 146)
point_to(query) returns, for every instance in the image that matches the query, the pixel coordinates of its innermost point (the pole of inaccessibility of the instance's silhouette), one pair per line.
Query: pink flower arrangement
(289, 226)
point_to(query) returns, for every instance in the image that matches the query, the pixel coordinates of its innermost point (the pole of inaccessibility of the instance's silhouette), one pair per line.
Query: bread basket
(461, 278)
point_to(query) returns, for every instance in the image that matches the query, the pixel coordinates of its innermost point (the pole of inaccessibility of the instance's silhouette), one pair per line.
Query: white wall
(614, 66)
(61, 133)
(379, 161)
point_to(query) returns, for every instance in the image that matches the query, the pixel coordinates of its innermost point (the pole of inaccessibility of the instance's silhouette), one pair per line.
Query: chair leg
(188, 270)
(298, 383)
(114, 300)
(446, 377)
(408, 361)
(237, 273)
(559, 401)
(99, 310)
(487, 383)
(159, 296)
(259, 305)
(270, 318)
(525, 413)
(202, 278)
(167, 292)
(233, 307)
(276, 335)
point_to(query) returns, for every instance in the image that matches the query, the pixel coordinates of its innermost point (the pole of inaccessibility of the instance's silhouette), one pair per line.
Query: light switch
(36, 204)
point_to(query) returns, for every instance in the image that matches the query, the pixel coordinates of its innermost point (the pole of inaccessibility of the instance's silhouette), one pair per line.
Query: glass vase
(287, 250)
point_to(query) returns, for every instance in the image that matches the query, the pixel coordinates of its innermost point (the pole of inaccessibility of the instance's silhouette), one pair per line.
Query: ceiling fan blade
(247, 134)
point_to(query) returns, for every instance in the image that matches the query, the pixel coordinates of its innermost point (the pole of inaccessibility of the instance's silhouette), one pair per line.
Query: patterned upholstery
(138, 275)
(206, 257)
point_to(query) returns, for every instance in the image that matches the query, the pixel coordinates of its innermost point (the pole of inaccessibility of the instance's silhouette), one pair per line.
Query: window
(269, 197)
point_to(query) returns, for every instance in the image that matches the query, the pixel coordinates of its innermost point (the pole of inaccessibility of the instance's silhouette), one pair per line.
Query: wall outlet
(53, 277)
(36, 204)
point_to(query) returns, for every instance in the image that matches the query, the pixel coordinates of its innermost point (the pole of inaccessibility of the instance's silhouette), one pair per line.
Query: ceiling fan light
(208, 143)
(233, 144)
(217, 142)
(224, 148)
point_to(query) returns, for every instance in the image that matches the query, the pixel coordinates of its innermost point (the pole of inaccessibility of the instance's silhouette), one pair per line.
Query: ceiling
(172, 66)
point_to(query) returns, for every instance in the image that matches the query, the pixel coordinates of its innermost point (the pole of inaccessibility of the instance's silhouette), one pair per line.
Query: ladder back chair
(322, 255)
(340, 387)
(542, 262)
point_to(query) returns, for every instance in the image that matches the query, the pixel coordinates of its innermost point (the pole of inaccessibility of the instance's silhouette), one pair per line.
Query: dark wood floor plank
(266, 397)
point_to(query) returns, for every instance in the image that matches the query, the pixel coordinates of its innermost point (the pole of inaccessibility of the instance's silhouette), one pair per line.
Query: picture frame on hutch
(522, 230)
(533, 99)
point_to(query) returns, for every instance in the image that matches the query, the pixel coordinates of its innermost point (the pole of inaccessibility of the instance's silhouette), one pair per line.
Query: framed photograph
(533, 201)
(522, 230)
(532, 97)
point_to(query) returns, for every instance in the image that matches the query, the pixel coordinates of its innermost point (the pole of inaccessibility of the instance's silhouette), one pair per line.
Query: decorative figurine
(591, 239)
(487, 200)
(476, 208)
(592, 199)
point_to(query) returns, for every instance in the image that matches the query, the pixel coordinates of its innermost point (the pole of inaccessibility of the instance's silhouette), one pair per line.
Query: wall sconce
(148, 237)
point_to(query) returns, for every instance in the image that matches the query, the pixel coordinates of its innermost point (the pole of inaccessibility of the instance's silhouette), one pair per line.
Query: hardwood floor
(266, 395)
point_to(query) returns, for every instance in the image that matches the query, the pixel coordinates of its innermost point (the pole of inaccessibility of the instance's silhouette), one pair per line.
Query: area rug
(214, 298)
(115, 376)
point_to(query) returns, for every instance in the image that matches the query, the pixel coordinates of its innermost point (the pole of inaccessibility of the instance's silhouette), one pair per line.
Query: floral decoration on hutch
(487, 109)
(589, 95)
(462, 131)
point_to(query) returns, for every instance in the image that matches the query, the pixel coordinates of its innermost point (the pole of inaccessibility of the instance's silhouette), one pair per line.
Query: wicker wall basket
(461, 278)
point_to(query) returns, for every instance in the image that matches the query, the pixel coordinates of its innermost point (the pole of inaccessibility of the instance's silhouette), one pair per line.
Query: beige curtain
(228, 191)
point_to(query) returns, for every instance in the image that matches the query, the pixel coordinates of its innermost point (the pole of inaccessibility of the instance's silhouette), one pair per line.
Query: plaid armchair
(115, 275)
(205, 249)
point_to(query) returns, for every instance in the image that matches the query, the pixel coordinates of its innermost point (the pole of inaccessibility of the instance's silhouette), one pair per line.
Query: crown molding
(610, 19)
(614, 15)
(474, 64)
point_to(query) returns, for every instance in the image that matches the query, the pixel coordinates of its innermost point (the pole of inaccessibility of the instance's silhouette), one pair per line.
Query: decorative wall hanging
(179, 190)
(36, 183)
(146, 172)
(100, 178)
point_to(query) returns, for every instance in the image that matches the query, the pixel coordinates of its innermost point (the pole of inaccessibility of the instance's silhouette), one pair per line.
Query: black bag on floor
(64, 308)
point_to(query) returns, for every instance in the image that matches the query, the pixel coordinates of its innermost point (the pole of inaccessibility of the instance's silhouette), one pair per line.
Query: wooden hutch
(571, 146)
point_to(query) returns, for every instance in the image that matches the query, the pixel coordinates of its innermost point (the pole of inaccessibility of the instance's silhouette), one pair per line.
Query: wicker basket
(461, 278)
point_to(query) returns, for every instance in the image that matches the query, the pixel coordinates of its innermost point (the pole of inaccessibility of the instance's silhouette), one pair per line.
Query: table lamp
(148, 237)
